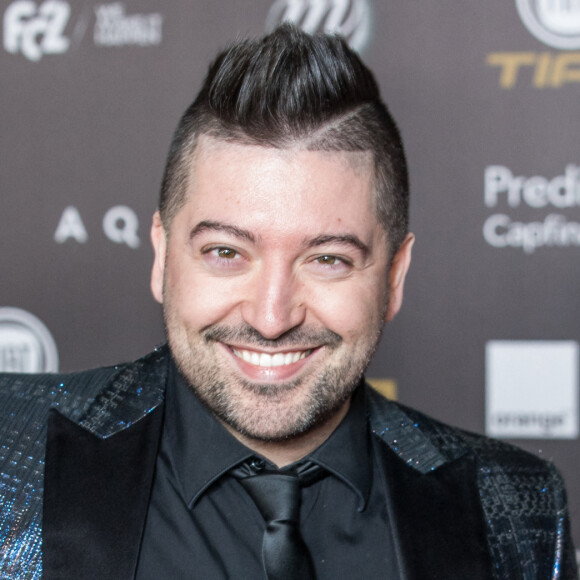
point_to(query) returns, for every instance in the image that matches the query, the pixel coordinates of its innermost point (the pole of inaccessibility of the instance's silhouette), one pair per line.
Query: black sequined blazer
(76, 467)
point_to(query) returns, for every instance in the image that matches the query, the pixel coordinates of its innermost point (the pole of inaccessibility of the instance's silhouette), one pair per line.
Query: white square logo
(532, 389)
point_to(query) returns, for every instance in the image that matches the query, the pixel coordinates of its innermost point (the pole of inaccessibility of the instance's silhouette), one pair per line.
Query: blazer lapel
(438, 520)
(433, 497)
(96, 497)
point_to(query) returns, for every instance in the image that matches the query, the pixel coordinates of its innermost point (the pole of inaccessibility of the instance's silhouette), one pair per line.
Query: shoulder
(24, 394)
(82, 383)
(72, 393)
(418, 434)
(128, 388)
(31, 385)
(27, 383)
(522, 497)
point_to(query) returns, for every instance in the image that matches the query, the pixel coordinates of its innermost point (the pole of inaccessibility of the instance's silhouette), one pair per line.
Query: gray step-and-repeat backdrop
(486, 94)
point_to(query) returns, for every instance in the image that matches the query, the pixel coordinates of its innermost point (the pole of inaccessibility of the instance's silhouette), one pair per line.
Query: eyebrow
(221, 227)
(345, 239)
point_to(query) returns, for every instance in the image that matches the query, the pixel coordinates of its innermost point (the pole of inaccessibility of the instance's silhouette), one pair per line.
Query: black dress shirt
(201, 522)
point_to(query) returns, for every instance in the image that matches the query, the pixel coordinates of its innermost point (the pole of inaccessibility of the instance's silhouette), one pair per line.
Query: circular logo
(26, 345)
(349, 18)
(553, 22)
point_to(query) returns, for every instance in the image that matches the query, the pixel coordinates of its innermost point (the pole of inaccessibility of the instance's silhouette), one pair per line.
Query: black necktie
(277, 495)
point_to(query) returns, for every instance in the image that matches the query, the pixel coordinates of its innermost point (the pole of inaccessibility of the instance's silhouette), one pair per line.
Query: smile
(263, 359)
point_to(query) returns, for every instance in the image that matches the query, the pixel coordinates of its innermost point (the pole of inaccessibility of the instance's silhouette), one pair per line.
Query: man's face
(274, 280)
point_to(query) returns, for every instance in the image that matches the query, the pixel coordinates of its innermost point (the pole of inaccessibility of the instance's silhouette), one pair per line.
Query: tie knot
(276, 495)
(307, 471)
(277, 492)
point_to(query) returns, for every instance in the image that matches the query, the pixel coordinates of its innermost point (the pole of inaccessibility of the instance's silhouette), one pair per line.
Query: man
(281, 249)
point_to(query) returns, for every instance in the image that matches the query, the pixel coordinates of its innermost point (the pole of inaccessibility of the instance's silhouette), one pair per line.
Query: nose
(274, 301)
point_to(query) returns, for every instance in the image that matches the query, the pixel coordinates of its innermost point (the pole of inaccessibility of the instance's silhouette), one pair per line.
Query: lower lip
(270, 374)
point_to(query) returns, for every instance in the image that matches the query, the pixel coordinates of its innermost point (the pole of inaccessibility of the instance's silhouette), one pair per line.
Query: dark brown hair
(290, 87)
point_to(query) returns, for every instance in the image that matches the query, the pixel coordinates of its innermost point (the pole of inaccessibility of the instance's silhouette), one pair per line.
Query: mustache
(295, 337)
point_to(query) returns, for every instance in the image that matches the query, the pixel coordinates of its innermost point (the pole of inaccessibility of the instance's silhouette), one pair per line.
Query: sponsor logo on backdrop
(350, 18)
(532, 389)
(387, 387)
(26, 345)
(120, 225)
(555, 23)
(552, 196)
(36, 29)
(115, 28)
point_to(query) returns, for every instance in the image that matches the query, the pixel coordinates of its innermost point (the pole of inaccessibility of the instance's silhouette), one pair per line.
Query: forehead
(289, 179)
(282, 199)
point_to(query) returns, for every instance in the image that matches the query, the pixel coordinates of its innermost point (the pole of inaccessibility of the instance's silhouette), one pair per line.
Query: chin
(276, 413)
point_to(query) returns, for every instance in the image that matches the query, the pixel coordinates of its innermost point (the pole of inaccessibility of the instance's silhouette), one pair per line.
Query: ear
(159, 241)
(399, 268)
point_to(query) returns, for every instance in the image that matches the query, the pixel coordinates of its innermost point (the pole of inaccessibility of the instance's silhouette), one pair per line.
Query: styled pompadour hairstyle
(290, 88)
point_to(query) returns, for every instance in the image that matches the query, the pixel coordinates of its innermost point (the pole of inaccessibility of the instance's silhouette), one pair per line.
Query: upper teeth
(263, 359)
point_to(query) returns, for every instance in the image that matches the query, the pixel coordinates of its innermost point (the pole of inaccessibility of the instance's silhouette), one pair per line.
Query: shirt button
(257, 464)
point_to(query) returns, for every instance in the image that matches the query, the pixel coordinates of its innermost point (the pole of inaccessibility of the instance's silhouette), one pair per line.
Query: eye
(225, 253)
(219, 256)
(222, 257)
(328, 260)
(331, 266)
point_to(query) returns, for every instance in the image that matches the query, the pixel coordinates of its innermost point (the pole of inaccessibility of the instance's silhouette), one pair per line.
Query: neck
(282, 453)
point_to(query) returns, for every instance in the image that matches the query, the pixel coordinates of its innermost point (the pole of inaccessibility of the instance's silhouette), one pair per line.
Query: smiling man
(251, 446)
(255, 272)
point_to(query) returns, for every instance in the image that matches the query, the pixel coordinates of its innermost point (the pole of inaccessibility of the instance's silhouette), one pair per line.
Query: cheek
(197, 298)
(350, 310)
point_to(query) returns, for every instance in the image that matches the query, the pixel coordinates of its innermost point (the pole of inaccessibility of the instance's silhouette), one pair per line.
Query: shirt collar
(202, 449)
(347, 452)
